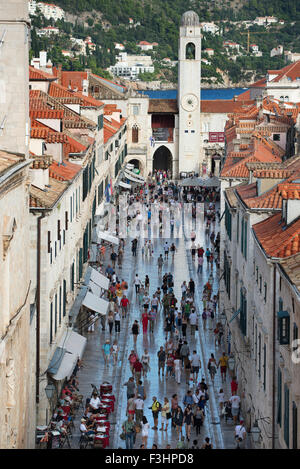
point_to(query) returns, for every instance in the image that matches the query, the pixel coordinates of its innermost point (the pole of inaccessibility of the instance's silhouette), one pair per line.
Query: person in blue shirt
(188, 399)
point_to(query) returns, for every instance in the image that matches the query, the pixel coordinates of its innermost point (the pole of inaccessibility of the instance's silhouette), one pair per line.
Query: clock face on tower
(189, 102)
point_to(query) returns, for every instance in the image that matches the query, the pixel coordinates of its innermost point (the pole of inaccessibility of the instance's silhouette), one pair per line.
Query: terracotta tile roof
(7, 160)
(38, 75)
(73, 146)
(58, 91)
(277, 241)
(291, 71)
(235, 164)
(291, 266)
(46, 113)
(260, 83)
(74, 79)
(65, 171)
(107, 132)
(47, 198)
(48, 135)
(227, 106)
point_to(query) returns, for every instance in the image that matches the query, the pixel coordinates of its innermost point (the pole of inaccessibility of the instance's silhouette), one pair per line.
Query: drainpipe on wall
(38, 307)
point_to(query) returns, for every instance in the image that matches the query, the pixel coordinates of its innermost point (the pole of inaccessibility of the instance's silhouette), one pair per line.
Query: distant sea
(206, 94)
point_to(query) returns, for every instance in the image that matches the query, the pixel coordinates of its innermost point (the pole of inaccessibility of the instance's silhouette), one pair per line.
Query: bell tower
(189, 85)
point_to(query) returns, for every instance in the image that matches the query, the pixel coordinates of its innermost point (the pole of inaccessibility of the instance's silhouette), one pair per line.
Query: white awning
(137, 176)
(130, 166)
(124, 185)
(95, 289)
(99, 279)
(108, 237)
(74, 345)
(96, 304)
(131, 178)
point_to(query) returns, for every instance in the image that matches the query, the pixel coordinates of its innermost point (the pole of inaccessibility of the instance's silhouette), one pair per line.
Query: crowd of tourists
(180, 317)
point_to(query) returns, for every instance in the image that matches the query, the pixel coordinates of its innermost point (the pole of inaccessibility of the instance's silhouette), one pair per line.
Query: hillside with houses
(238, 45)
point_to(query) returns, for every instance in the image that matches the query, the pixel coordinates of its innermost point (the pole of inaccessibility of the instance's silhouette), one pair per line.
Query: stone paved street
(93, 371)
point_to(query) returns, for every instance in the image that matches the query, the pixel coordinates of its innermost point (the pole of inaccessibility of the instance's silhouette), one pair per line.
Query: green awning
(235, 315)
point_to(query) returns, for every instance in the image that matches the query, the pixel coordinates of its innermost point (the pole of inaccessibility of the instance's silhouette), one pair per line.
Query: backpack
(158, 405)
(212, 314)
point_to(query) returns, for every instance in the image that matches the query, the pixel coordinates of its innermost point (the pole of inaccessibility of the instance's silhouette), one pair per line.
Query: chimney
(59, 70)
(43, 59)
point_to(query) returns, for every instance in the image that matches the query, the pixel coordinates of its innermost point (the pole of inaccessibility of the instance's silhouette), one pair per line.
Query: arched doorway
(162, 159)
(136, 163)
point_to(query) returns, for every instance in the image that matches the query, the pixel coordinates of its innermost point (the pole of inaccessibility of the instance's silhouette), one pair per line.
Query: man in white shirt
(139, 409)
(196, 365)
(94, 403)
(166, 249)
(240, 435)
(137, 283)
(235, 406)
(193, 321)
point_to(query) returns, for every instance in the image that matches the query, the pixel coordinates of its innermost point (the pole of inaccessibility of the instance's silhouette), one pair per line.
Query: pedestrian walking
(235, 406)
(188, 420)
(160, 263)
(240, 435)
(117, 322)
(139, 409)
(145, 362)
(128, 429)
(212, 367)
(196, 365)
(165, 414)
(115, 351)
(178, 420)
(106, 352)
(177, 368)
(221, 397)
(223, 362)
(161, 354)
(145, 320)
(132, 359)
(145, 431)
(130, 387)
(124, 305)
(135, 331)
(110, 321)
(137, 282)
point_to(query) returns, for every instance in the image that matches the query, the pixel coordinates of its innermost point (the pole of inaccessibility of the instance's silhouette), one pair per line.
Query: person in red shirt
(200, 251)
(137, 368)
(124, 305)
(234, 385)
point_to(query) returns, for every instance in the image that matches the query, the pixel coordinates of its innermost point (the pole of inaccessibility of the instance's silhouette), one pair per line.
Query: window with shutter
(64, 297)
(55, 314)
(135, 134)
(51, 322)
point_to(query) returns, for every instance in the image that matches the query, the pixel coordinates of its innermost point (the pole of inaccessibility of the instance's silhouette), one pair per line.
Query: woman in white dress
(145, 362)
(177, 368)
(145, 431)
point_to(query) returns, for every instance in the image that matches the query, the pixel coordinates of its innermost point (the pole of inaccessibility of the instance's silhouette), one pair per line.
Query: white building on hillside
(49, 10)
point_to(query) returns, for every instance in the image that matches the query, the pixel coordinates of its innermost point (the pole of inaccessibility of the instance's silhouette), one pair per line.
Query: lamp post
(49, 390)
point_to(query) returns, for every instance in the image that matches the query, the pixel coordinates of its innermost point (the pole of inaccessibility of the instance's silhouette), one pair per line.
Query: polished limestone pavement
(93, 371)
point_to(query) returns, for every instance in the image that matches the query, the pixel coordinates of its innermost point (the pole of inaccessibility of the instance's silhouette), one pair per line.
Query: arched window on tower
(190, 51)
(135, 134)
